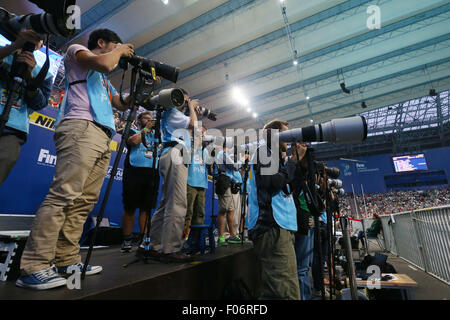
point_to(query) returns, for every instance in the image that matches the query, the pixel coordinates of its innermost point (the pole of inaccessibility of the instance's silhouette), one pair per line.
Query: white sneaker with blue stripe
(42, 280)
(63, 271)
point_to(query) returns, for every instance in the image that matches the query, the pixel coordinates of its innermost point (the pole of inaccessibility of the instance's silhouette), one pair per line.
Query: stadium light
(239, 97)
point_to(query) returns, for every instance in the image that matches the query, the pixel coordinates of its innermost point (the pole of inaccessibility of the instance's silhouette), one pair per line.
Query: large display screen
(55, 58)
(411, 162)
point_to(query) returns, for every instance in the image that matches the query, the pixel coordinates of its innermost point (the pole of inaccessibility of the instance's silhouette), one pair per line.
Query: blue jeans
(304, 246)
(317, 268)
(361, 237)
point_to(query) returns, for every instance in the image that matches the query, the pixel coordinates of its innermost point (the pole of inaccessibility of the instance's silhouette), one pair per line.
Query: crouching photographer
(273, 217)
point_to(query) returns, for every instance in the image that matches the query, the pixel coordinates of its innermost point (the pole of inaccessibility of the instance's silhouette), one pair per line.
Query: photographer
(227, 202)
(272, 218)
(304, 237)
(197, 183)
(140, 179)
(82, 139)
(17, 127)
(168, 220)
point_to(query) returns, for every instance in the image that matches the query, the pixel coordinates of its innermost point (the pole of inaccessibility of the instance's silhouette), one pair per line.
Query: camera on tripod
(342, 130)
(335, 183)
(204, 112)
(154, 67)
(339, 192)
(167, 98)
(207, 113)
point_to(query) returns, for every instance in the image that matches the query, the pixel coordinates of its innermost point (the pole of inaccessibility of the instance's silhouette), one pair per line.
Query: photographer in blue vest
(197, 183)
(17, 127)
(273, 216)
(140, 179)
(227, 204)
(166, 231)
(82, 138)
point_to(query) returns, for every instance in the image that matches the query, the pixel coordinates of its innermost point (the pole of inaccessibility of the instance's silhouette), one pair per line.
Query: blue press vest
(18, 117)
(233, 174)
(323, 217)
(167, 131)
(283, 206)
(140, 156)
(197, 176)
(99, 93)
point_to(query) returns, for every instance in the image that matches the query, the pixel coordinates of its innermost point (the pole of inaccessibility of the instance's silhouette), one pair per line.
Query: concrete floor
(428, 288)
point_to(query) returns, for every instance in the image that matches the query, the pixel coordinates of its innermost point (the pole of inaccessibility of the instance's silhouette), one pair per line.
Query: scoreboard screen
(412, 162)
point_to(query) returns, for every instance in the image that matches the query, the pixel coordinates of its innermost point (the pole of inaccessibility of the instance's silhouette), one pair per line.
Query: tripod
(213, 222)
(349, 257)
(244, 200)
(311, 182)
(330, 262)
(135, 90)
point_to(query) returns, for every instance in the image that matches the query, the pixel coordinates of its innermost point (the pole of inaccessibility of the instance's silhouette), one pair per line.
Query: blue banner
(33, 174)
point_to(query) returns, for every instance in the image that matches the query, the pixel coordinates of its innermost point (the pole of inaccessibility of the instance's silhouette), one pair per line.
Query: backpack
(223, 182)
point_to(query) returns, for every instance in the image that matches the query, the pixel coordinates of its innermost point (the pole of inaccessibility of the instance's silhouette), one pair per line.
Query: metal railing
(421, 237)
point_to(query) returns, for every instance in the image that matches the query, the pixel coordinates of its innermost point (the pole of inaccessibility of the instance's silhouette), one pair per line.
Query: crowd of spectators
(395, 202)
(120, 120)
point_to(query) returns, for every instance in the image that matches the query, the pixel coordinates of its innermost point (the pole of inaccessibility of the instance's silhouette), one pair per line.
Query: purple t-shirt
(77, 104)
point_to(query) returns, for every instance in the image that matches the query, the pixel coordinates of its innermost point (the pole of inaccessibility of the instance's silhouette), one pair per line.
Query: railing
(421, 237)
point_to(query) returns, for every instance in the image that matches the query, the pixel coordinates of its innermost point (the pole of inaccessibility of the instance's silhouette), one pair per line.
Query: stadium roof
(252, 44)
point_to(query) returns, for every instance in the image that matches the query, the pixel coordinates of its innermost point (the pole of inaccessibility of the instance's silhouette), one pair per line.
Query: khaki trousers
(278, 265)
(83, 155)
(168, 220)
(195, 206)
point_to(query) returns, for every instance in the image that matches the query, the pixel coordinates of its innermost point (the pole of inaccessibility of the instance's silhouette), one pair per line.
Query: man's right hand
(126, 49)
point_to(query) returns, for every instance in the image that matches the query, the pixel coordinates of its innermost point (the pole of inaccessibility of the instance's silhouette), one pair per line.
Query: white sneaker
(90, 270)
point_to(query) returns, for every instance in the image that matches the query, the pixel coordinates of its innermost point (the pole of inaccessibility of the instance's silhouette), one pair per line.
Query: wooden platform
(205, 278)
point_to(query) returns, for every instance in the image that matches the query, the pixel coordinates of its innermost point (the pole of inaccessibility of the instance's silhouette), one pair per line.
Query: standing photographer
(82, 139)
(168, 220)
(197, 183)
(229, 171)
(140, 179)
(17, 127)
(273, 217)
(304, 237)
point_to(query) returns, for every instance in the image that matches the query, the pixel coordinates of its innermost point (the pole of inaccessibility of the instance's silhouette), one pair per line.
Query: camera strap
(37, 82)
(145, 143)
(77, 82)
(4, 70)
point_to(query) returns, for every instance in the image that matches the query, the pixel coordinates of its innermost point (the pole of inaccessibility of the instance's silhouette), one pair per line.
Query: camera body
(52, 22)
(154, 67)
